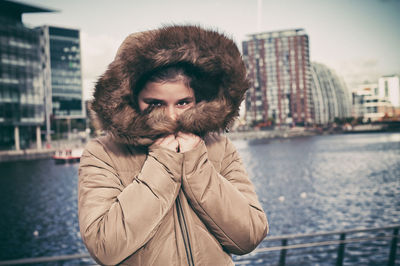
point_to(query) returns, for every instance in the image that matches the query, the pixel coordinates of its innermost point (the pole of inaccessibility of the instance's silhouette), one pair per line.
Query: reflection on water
(305, 185)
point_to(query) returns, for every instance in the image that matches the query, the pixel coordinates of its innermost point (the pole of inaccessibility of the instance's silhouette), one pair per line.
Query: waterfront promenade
(277, 133)
(47, 152)
(272, 134)
(28, 154)
(36, 154)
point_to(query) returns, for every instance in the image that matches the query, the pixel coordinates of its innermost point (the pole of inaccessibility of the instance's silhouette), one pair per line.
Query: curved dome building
(329, 93)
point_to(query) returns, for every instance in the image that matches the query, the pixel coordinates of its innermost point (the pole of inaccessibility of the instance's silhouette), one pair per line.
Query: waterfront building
(61, 56)
(377, 108)
(370, 104)
(21, 79)
(329, 95)
(279, 70)
(389, 88)
(359, 97)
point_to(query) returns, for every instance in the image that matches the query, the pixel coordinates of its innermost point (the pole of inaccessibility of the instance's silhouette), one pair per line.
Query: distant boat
(67, 155)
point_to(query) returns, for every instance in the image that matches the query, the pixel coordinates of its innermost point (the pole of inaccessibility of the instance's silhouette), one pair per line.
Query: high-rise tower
(279, 69)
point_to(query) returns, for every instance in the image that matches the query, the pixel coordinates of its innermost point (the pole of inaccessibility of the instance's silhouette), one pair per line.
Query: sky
(358, 39)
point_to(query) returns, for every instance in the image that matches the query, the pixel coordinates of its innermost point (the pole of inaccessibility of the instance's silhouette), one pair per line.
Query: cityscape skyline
(365, 47)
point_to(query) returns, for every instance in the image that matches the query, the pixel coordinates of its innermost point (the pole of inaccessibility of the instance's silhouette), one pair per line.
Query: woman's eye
(183, 103)
(155, 104)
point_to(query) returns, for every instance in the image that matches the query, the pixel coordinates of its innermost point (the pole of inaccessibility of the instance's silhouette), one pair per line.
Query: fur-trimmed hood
(214, 54)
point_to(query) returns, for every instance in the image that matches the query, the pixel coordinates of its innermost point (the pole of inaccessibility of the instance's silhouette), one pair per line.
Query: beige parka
(141, 204)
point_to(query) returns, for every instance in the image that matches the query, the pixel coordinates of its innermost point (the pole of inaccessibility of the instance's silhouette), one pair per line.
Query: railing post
(282, 257)
(340, 255)
(393, 247)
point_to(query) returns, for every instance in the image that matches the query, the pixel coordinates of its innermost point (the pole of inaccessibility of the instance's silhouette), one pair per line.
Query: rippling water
(38, 203)
(327, 183)
(306, 185)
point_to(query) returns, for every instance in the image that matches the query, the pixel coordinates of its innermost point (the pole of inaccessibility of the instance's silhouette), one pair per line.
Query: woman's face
(175, 97)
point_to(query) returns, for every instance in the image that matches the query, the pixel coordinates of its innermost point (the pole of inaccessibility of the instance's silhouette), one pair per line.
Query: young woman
(163, 187)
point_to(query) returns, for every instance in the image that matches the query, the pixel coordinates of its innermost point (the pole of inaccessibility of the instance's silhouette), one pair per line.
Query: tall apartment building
(279, 68)
(21, 79)
(330, 95)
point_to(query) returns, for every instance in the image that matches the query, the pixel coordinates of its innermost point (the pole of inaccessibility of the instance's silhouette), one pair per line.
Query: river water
(306, 185)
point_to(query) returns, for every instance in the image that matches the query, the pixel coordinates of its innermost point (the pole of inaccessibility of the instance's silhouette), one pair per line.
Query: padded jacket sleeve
(113, 220)
(225, 201)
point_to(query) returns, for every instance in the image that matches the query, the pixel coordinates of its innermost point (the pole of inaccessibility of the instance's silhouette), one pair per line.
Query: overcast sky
(359, 39)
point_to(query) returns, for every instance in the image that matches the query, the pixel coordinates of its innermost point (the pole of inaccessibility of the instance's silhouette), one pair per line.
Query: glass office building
(40, 79)
(61, 61)
(66, 77)
(21, 79)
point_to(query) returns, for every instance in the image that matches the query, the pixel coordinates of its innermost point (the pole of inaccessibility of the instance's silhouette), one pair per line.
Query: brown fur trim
(214, 54)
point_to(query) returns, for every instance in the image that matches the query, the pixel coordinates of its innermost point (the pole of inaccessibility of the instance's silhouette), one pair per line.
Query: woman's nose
(172, 112)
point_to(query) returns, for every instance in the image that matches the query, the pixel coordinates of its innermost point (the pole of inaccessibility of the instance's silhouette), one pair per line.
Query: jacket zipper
(184, 231)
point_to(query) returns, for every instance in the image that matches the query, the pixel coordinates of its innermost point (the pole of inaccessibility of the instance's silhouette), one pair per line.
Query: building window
(386, 89)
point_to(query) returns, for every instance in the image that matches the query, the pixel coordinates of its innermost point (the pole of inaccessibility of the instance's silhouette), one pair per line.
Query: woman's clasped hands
(181, 142)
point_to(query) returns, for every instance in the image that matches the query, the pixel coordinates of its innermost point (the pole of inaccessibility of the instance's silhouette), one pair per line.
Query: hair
(189, 75)
(171, 74)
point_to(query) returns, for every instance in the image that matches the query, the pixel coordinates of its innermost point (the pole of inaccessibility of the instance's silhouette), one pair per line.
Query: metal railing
(41, 260)
(287, 242)
(304, 241)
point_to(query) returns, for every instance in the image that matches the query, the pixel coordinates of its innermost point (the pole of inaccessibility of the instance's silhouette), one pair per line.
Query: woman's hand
(168, 142)
(187, 141)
